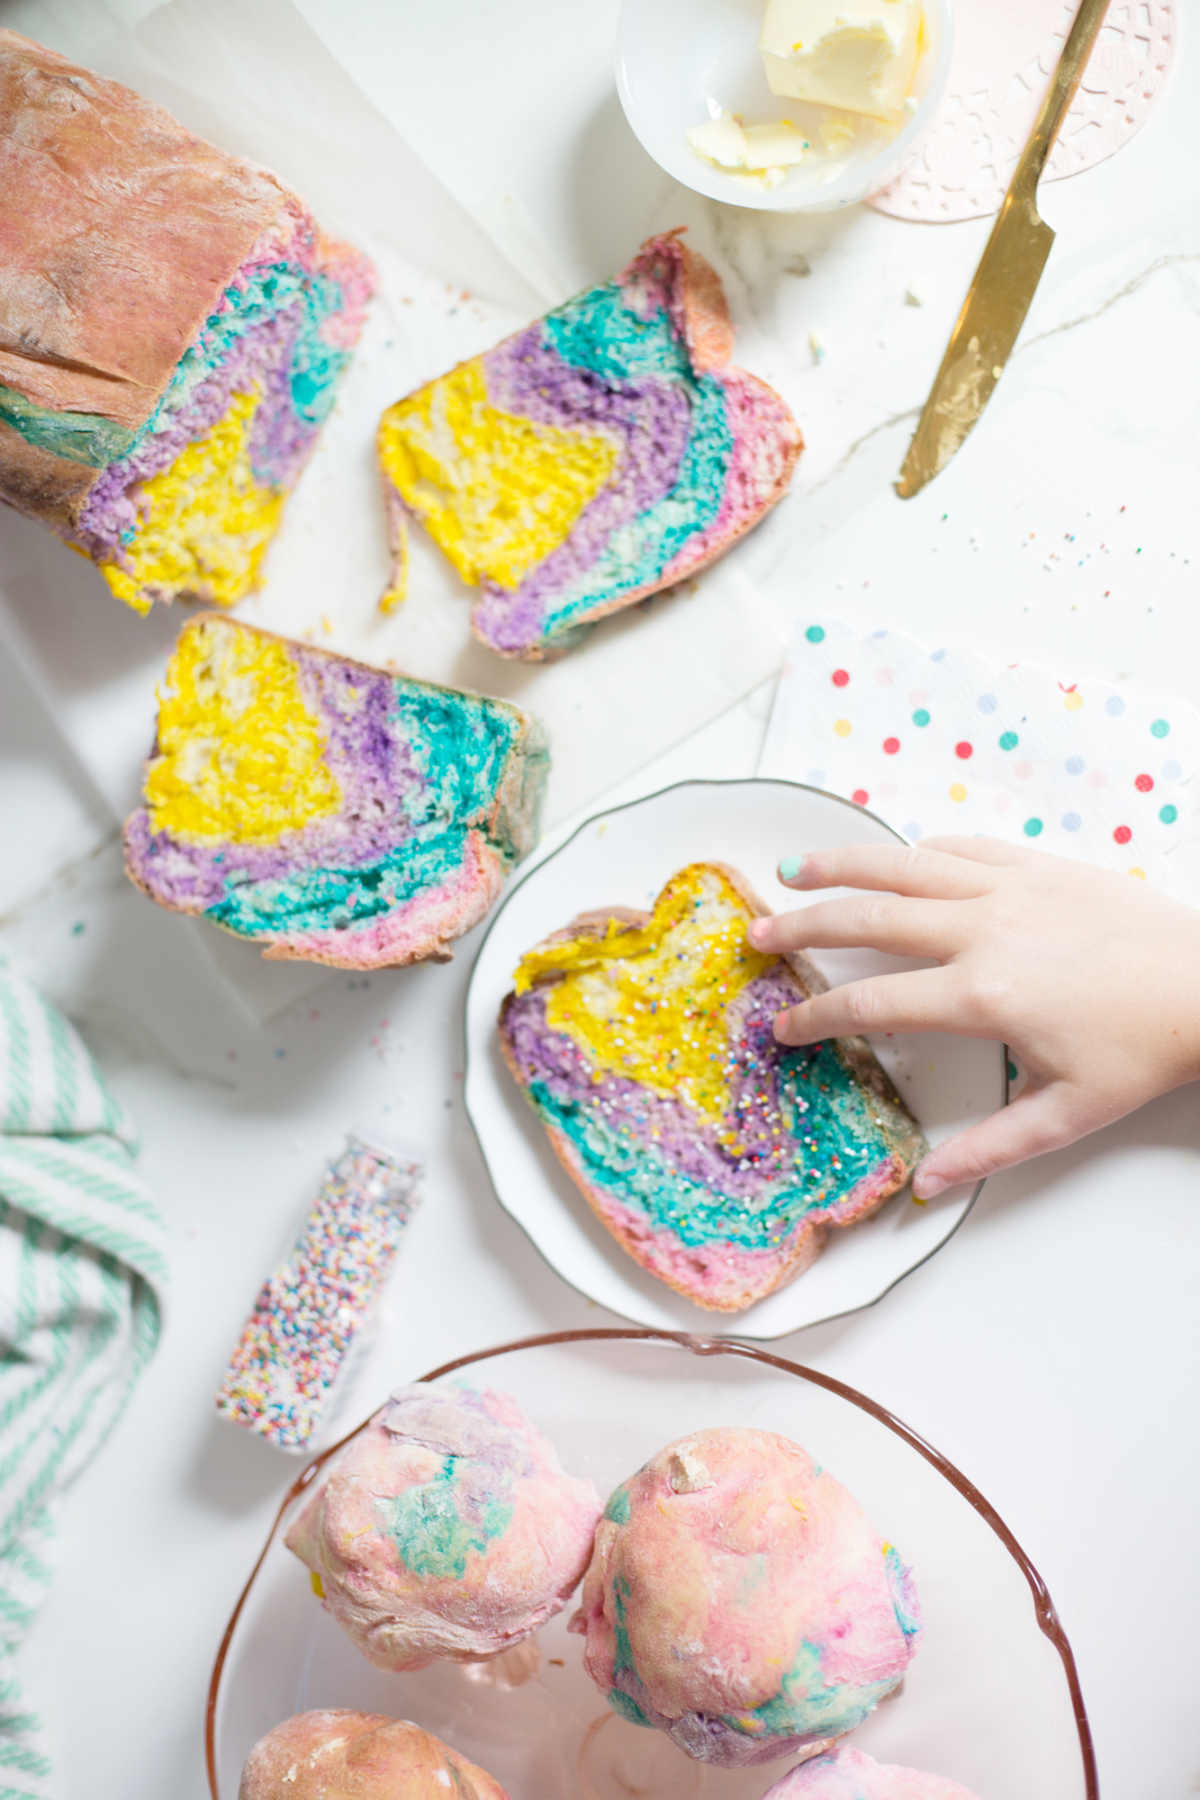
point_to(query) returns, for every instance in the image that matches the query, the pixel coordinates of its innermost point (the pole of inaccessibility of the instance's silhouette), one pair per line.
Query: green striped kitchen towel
(81, 1269)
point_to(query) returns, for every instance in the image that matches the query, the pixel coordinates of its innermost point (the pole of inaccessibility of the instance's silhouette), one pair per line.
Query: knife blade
(1004, 283)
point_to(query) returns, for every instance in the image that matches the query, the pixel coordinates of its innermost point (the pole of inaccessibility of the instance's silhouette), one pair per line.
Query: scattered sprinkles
(309, 1311)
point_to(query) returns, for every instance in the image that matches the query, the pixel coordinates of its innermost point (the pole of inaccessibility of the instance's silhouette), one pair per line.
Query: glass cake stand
(992, 1698)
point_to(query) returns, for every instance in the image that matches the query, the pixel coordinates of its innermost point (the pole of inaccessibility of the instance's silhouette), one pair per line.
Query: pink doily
(1004, 55)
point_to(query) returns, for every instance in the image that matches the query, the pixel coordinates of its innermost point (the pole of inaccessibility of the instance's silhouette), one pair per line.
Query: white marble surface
(1047, 1348)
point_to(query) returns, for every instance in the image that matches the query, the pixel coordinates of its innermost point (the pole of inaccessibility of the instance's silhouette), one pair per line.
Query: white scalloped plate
(623, 857)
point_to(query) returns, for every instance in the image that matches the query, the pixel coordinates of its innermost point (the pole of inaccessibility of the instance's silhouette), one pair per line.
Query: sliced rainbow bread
(329, 811)
(605, 452)
(717, 1158)
(173, 326)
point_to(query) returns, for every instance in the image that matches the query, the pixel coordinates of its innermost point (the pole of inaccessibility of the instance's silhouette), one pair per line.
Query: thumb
(1040, 1120)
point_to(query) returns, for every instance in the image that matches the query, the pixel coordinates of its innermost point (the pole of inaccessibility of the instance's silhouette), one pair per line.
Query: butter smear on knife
(860, 55)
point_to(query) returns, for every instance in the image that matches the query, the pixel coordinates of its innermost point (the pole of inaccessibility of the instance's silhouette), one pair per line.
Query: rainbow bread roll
(326, 810)
(739, 1600)
(717, 1158)
(446, 1528)
(605, 452)
(849, 1775)
(359, 1756)
(173, 327)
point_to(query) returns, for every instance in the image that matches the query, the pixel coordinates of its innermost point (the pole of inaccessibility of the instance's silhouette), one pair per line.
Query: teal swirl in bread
(327, 810)
(605, 452)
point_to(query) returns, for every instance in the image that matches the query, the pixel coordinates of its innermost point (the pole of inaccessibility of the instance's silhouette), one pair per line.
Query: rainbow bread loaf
(447, 1528)
(172, 330)
(601, 454)
(329, 811)
(718, 1158)
(849, 1775)
(739, 1599)
(338, 1755)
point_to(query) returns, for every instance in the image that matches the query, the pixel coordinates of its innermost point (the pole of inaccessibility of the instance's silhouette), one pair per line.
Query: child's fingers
(925, 1000)
(898, 869)
(1039, 1121)
(982, 850)
(900, 927)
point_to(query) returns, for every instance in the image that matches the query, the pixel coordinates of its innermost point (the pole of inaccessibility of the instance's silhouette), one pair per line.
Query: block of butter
(860, 55)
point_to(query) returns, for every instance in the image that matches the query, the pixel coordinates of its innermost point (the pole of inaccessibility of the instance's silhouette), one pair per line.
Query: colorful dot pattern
(939, 741)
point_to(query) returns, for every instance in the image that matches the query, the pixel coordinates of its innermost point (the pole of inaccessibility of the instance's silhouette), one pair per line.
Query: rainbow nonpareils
(309, 1311)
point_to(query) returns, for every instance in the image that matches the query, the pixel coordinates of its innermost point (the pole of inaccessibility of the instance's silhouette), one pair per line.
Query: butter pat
(860, 55)
(766, 149)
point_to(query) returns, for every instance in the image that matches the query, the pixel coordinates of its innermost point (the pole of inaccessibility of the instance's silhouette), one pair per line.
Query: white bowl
(674, 56)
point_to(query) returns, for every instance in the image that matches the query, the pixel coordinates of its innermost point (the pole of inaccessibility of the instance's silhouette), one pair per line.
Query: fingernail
(756, 930)
(790, 868)
(928, 1187)
(779, 1026)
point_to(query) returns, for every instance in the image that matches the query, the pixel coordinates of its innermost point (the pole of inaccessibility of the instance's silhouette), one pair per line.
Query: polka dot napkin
(939, 741)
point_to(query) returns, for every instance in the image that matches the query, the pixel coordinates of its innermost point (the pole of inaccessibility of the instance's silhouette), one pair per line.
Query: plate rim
(543, 862)
(1045, 1612)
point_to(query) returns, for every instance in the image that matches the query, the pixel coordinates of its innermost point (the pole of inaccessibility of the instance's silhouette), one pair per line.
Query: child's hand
(1094, 979)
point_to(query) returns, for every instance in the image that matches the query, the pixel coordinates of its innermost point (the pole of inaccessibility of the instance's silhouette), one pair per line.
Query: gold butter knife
(1005, 281)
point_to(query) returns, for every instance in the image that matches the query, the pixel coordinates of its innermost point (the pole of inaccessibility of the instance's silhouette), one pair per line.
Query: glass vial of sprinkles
(297, 1346)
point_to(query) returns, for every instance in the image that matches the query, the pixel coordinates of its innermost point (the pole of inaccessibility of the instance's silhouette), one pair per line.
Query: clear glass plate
(992, 1698)
(623, 857)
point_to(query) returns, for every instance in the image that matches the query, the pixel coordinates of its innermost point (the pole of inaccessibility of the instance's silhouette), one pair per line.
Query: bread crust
(121, 230)
(901, 1133)
(508, 814)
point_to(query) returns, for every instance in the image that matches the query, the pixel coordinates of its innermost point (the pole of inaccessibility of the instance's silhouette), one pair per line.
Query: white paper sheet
(257, 80)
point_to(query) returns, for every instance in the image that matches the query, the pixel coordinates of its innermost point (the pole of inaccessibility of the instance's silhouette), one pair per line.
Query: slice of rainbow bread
(329, 811)
(173, 327)
(605, 452)
(718, 1158)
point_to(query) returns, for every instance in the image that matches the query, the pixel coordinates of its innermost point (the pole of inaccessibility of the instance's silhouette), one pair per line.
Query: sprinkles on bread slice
(717, 1157)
